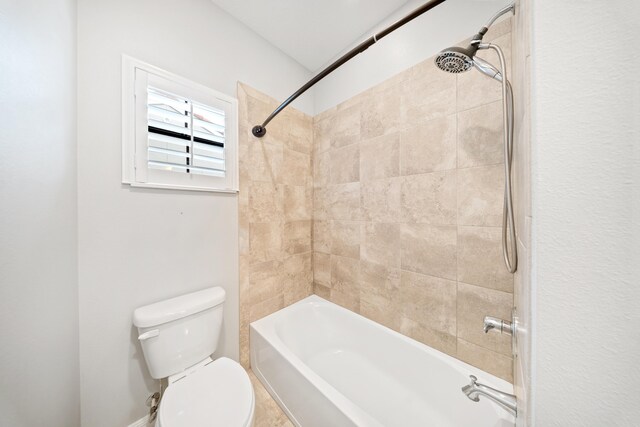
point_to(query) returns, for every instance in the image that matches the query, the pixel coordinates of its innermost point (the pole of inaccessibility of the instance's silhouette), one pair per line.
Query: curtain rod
(260, 130)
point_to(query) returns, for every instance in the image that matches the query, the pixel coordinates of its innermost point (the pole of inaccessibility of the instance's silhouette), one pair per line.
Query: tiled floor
(268, 413)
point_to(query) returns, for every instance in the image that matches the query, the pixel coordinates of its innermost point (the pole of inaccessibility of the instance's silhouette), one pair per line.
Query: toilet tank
(179, 332)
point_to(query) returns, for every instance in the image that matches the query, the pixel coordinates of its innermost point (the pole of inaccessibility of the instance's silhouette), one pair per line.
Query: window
(176, 133)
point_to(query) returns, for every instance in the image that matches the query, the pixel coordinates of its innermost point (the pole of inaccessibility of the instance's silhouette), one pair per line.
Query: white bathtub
(329, 367)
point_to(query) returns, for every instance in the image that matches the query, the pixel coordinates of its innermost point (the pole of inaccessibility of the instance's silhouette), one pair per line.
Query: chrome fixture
(474, 390)
(459, 60)
(499, 325)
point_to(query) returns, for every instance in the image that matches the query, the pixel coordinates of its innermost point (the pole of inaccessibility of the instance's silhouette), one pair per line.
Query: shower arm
(260, 130)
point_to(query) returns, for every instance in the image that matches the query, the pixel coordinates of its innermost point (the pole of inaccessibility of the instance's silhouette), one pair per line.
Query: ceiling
(311, 32)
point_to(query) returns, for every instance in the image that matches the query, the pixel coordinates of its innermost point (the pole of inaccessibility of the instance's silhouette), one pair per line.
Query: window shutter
(184, 136)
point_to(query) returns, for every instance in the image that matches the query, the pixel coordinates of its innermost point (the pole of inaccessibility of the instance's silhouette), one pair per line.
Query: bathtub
(329, 367)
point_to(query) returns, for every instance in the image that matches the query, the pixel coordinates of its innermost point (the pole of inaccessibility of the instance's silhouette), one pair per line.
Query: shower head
(456, 59)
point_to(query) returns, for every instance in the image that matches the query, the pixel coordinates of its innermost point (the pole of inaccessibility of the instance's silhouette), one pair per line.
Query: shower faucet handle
(499, 325)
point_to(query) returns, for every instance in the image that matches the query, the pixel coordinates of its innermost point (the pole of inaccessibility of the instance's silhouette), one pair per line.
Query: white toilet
(178, 336)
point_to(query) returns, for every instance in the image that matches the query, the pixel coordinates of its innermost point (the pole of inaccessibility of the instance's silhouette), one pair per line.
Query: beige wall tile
(321, 203)
(265, 160)
(431, 93)
(380, 157)
(487, 360)
(298, 277)
(440, 341)
(428, 147)
(322, 269)
(474, 303)
(429, 301)
(322, 291)
(296, 168)
(265, 281)
(322, 169)
(480, 258)
(345, 164)
(481, 195)
(380, 309)
(429, 249)
(430, 198)
(381, 200)
(297, 203)
(265, 241)
(297, 237)
(345, 127)
(381, 244)
(380, 114)
(346, 238)
(301, 135)
(267, 307)
(322, 236)
(347, 300)
(265, 201)
(345, 275)
(480, 140)
(476, 89)
(344, 202)
(377, 279)
(322, 134)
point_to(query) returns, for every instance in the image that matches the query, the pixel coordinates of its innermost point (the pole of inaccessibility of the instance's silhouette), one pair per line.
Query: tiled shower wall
(275, 210)
(522, 205)
(407, 208)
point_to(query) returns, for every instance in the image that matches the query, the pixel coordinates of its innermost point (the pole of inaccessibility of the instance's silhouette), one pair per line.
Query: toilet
(178, 336)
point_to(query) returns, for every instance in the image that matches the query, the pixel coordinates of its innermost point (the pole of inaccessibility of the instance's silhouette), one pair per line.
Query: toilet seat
(219, 394)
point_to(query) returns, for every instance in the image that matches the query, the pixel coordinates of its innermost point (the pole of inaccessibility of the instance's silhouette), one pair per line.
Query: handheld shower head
(455, 59)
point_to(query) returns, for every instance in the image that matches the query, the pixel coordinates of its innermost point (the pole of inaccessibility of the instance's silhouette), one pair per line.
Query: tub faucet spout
(475, 389)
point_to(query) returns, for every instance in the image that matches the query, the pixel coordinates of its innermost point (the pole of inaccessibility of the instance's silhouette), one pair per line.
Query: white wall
(441, 27)
(124, 262)
(586, 112)
(39, 380)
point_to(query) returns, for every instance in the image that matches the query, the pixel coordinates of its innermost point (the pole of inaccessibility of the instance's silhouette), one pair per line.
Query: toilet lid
(219, 394)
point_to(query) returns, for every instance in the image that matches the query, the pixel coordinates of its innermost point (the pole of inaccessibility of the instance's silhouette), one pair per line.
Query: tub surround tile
(322, 236)
(480, 140)
(481, 195)
(380, 157)
(275, 210)
(429, 147)
(322, 269)
(429, 301)
(474, 303)
(345, 275)
(376, 279)
(480, 259)
(345, 127)
(429, 94)
(381, 244)
(344, 202)
(297, 237)
(381, 200)
(429, 249)
(487, 360)
(345, 164)
(440, 341)
(430, 198)
(380, 309)
(346, 238)
(380, 113)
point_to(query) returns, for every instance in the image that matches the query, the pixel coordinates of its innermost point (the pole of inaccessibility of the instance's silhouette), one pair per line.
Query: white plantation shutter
(184, 135)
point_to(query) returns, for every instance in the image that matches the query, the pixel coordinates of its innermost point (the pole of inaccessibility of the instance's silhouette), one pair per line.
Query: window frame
(135, 171)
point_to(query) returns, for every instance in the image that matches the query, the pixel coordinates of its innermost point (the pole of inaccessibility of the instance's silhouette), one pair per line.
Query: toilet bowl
(217, 394)
(178, 337)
